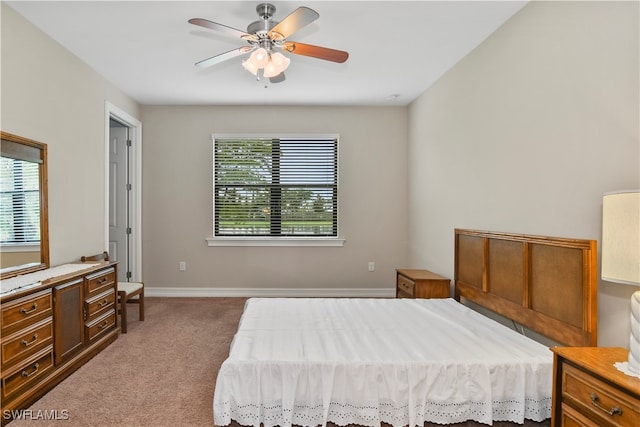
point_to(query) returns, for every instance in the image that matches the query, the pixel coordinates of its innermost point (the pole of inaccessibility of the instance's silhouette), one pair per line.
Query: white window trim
(270, 241)
(276, 241)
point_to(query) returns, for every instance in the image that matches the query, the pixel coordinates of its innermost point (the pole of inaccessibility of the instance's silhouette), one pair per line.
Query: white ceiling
(148, 50)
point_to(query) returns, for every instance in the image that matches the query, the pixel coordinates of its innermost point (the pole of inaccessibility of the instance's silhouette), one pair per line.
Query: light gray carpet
(161, 373)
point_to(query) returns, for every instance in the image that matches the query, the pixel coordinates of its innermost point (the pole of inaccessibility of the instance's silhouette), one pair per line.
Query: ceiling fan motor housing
(265, 10)
(265, 24)
(261, 27)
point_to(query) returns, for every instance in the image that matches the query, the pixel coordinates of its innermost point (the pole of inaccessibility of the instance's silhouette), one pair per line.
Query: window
(19, 202)
(276, 187)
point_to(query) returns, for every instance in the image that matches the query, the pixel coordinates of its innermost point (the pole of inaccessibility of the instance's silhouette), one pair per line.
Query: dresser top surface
(420, 274)
(25, 284)
(600, 361)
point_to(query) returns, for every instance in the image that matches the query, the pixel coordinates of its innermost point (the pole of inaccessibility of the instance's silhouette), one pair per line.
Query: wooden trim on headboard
(547, 284)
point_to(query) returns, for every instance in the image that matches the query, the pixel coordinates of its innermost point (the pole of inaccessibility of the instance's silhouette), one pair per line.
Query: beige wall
(526, 134)
(177, 200)
(51, 96)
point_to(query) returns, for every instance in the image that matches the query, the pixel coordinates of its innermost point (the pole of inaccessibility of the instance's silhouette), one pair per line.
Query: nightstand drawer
(405, 285)
(421, 284)
(573, 418)
(599, 400)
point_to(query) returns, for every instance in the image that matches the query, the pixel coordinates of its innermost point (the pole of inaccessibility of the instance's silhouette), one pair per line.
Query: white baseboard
(271, 292)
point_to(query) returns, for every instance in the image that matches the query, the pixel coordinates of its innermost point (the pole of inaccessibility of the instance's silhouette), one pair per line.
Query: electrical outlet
(183, 266)
(371, 266)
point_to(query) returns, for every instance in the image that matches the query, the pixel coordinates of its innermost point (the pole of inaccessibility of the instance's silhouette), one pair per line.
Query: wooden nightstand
(421, 284)
(589, 391)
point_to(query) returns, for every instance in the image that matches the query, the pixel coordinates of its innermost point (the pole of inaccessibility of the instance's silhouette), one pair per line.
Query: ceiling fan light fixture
(265, 36)
(248, 65)
(259, 58)
(271, 70)
(276, 65)
(280, 60)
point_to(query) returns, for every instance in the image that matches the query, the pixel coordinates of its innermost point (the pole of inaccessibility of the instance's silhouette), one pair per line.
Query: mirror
(24, 225)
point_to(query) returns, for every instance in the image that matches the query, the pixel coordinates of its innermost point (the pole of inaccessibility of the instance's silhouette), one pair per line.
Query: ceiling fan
(266, 40)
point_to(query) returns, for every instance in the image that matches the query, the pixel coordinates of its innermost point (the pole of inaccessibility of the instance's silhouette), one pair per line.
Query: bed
(415, 362)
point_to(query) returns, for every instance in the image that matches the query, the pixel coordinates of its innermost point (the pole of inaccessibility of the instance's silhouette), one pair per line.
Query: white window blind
(19, 201)
(277, 187)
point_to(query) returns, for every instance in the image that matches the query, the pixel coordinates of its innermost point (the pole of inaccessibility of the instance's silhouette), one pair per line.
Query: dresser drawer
(598, 400)
(26, 311)
(26, 342)
(98, 282)
(101, 325)
(573, 418)
(100, 303)
(27, 374)
(405, 285)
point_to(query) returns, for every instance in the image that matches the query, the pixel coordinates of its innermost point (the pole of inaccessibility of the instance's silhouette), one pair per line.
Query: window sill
(276, 241)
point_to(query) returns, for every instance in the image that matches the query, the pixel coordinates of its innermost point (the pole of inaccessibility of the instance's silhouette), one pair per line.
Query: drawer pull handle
(616, 410)
(101, 281)
(103, 325)
(26, 343)
(35, 369)
(34, 307)
(103, 303)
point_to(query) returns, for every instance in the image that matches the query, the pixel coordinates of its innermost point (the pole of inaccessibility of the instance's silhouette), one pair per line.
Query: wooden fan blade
(316, 51)
(301, 17)
(233, 32)
(223, 57)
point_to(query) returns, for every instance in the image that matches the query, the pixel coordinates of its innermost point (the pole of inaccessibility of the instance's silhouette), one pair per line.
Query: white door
(119, 190)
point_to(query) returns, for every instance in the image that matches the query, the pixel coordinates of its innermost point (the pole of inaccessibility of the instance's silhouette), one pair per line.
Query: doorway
(123, 187)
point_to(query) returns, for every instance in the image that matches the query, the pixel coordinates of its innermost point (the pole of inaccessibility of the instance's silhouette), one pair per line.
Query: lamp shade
(621, 237)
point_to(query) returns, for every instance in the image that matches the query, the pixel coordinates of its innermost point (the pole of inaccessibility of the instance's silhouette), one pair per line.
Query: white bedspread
(365, 361)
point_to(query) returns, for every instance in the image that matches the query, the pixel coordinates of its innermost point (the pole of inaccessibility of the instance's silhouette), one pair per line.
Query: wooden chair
(128, 292)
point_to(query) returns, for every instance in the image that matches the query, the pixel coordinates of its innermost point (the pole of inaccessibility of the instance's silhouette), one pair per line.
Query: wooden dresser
(589, 391)
(50, 329)
(421, 284)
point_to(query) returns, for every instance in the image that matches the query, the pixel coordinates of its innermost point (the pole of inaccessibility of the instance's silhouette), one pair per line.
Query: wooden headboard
(546, 284)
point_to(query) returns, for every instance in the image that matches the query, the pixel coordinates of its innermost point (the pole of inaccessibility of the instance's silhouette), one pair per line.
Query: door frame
(135, 133)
